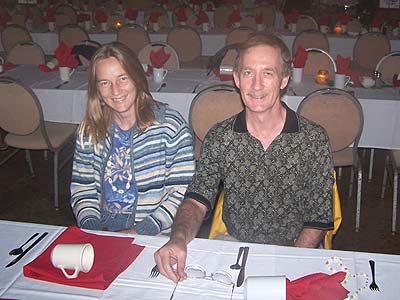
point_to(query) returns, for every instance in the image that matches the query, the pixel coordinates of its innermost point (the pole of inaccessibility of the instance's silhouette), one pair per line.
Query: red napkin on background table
(323, 19)
(210, 7)
(50, 17)
(377, 20)
(83, 17)
(5, 17)
(343, 67)
(8, 66)
(112, 255)
(291, 17)
(396, 82)
(154, 15)
(393, 23)
(46, 69)
(344, 19)
(316, 287)
(64, 56)
(300, 57)
(131, 13)
(101, 16)
(259, 18)
(201, 18)
(159, 58)
(234, 17)
(181, 14)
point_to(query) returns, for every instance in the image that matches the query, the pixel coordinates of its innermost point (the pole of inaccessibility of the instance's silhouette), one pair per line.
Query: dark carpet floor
(30, 199)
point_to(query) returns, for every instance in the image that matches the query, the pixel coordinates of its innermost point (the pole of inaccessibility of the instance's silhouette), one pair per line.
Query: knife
(18, 258)
(243, 267)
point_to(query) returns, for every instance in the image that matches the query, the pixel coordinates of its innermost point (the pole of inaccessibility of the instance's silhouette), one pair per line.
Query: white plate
(351, 33)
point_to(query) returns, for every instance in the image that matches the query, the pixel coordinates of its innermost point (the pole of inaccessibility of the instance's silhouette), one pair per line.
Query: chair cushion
(343, 158)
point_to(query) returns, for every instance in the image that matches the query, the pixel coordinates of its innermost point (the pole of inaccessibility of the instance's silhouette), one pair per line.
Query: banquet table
(133, 283)
(67, 103)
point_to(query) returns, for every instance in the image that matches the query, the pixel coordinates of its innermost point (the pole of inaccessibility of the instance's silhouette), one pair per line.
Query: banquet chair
(224, 58)
(18, 19)
(69, 12)
(238, 35)
(26, 53)
(248, 21)
(318, 59)
(368, 49)
(221, 16)
(85, 50)
(341, 115)
(311, 39)
(72, 35)
(354, 25)
(187, 43)
(268, 15)
(305, 22)
(210, 106)
(13, 34)
(171, 64)
(21, 116)
(134, 36)
(393, 162)
(388, 66)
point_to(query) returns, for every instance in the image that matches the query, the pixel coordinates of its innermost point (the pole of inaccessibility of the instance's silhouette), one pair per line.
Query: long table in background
(133, 283)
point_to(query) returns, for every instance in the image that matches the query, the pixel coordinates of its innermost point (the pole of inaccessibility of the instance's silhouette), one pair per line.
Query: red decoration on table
(101, 16)
(344, 19)
(50, 15)
(154, 16)
(343, 67)
(300, 57)
(159, 58)
(210, 6)
(317, 286)
(323, 19)
(64, 56)
(234, 17)
(46, 69)
(112, 256)
(201, 18)
(377, 21)
(181, 14)
(83, 17)
(131, 13)
(259, 18)
(5, 17)
(396, 80)
(292, 17)
(9, 66)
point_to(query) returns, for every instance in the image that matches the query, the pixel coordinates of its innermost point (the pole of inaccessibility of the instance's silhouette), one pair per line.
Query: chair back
(72, 35)
(354, 25)
(134, 36)
(388, 66)
(248, 21)
(305, 22)
(319, 59)
(13, 34)
(268, 15)
(85, 50)
(26, 53)
(186, 41)
(238, 35)
(171, 64)
(370, 48)
(210, 106)
(339, 113)
(69, 12)
(221, 16)
(311, 39)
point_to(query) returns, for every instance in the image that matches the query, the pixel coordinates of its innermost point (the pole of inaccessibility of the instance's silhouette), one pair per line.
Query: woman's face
(117, 89)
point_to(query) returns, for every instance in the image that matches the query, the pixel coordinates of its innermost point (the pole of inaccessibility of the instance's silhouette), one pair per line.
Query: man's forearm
(188, 221)
(310, 238)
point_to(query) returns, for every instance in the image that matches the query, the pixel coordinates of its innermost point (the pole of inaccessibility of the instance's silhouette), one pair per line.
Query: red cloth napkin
(323, 19)
(181, 14)
(291, 17)
(83, 17)
(5, 17)
(316, 287)
(159, 58)
(9, 66)
(234, 17)
(154, 15)
(201, 18)
(101, 16)
(46, 69)
(64, 56)
(112, 255)
(259, 18)
(50, 17)
(300, 57)
(343, 67)
(222, 77)
(131, 13)
(377, 21)
(344, 19)
(396, 82)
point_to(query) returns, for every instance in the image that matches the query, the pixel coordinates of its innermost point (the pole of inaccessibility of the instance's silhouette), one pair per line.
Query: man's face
(260, 78)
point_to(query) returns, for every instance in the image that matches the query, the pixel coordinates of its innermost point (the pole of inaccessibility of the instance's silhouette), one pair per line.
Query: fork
(154, 272)
(373, 286)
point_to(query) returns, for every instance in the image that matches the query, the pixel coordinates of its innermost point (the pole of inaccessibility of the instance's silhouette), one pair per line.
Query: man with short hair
(275, 166)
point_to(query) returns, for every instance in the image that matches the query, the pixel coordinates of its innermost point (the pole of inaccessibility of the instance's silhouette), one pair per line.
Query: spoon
(18, 251)
(236, 266)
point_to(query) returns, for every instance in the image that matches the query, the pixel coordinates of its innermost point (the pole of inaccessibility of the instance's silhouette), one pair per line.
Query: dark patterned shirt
(270, 195)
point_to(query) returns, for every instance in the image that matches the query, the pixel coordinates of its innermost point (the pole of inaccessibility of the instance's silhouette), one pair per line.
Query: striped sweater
(163, 165)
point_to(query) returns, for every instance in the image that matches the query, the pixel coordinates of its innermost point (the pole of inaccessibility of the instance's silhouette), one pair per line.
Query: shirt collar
(291, 121)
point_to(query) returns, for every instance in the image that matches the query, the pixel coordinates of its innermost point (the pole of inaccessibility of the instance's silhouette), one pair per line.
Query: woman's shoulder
(166, 115)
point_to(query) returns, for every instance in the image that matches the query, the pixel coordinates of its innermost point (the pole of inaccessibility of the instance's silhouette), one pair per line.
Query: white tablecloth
(68, 103)
(133, 283)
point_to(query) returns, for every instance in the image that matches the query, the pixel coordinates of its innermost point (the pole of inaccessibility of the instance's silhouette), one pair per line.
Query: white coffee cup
(156, 27)
(297, 75)
(52, 26)
(367, 81)
(159, 74)
(87, 25)
(52, 63)
(77, 257)
(341, 80)
(103, 26)
(65, 73)
(260, 27)
(324, 28)
(206, 27)
(265, 287)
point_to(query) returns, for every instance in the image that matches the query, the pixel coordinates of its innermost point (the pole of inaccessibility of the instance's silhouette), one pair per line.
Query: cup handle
(347, 79)
(70, 276)
(72, 72)
(165, 74)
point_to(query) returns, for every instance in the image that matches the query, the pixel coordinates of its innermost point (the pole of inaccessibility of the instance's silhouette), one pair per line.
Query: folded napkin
(316, 287)
(131, 13)
(154, 15)
(210, 6)
(64, 56)
(112, 255)
(234, 17)
(82, 17)
(344, 19)
(300, 57)
(181, 14)
(201, 18)
(101, 16)
(50, 15)
(323, 19)
(9, 66)
(5, 17)
(377, 20)
(159, 58)
(292, 16)
(259, 18)
(46, 69)
(396, 80)
(343, 67)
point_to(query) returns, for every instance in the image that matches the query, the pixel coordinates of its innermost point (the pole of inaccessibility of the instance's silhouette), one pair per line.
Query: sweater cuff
(91, 223)
(147, 226)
